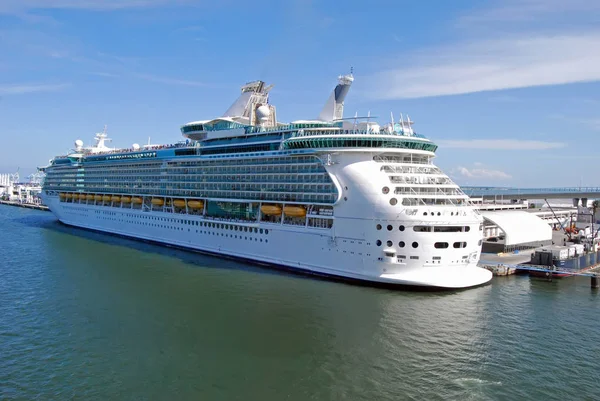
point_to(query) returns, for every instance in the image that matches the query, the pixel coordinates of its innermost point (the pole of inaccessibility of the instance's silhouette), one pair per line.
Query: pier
(26, 205)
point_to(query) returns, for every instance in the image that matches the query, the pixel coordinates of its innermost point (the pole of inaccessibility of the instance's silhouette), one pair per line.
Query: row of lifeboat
(100, 198)
(267, 210)
(275, 210)
(181, 203)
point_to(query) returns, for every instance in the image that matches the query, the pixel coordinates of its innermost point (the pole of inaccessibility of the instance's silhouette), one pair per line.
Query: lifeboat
(137, 201)
(179, 202)
(294, 211)
(270, 210)
(125, 199)
(82, 196)
(68, 195)
(115, 198)
(157, 202)
(98, 198)
(195, 204)
(106, 198)
(62, 195)
(89, 197)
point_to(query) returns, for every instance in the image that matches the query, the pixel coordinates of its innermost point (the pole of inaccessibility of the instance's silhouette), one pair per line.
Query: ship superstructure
(339, 197)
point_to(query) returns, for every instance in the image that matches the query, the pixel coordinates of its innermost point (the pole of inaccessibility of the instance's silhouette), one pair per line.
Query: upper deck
(250, 127)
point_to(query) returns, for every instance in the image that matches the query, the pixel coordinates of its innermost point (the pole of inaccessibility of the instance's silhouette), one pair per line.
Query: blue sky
(508, 89)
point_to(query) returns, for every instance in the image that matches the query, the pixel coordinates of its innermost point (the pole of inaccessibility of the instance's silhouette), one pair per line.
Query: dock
(25, 205)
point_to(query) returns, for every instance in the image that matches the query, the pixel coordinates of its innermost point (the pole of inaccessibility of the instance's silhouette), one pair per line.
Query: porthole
(401, 228)
(467, 229)
(378, 242)
(345, 198)
(389, 243)
(415, 244)
(378, 226)
(393, 201)
(401, 244)
(385, 190)
(266, 231)
(424, 213)
(389, 227)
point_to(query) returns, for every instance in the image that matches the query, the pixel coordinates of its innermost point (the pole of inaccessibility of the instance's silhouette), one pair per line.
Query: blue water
(90, 316)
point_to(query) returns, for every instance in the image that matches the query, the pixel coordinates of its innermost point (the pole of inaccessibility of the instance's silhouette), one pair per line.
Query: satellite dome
(135, 146)
(78, 143)
(263, 112)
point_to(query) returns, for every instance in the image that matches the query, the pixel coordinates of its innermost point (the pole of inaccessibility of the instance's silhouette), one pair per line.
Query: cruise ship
(346, 198)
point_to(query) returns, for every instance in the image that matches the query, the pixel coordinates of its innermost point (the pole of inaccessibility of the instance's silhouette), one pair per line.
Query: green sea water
(89, 316)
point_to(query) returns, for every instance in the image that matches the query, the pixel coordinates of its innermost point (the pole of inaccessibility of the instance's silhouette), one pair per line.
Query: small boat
(271, 210)
(195, 204)
(179, 202)
(294, 211)
(549, 273)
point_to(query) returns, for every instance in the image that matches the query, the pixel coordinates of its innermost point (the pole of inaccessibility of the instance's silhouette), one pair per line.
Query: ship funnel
(334, 108)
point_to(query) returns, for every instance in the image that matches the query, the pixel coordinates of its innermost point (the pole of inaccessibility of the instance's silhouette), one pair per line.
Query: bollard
(595, 282)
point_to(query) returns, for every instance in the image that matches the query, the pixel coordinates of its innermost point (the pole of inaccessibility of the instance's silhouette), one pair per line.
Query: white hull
(314, 250)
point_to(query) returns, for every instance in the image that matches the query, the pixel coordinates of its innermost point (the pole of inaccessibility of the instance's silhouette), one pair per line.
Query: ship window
(401, 256)
(401, 228)
(449, 229)
(441, 245)
(401, 244)
(393, 201)
(389, 243)
(390, 254)
(378, 226)
(415, 244)
(437, 258)
(414, 257)
(422, 229)
(460, 245)
(385, 190)
(378, 242)
(479, 243)
(389, 227)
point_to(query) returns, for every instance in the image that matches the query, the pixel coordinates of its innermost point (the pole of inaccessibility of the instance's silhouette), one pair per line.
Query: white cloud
(528, 10)
(499, 144)
(19, 89)
(169, 81)
(593, 124)
(488, 65)
(479, 172)
(17, 6)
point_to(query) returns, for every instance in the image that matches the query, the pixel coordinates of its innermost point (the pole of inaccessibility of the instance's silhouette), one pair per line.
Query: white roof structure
(520, 227)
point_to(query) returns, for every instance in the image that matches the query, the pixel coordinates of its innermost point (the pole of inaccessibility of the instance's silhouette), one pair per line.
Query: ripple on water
(89, 316)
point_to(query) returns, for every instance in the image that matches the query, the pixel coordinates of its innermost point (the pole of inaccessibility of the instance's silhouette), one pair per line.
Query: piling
(595, 282)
